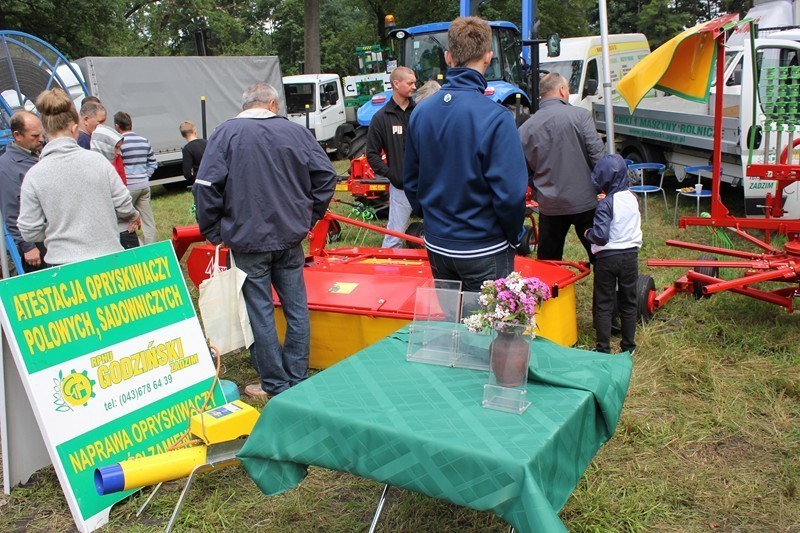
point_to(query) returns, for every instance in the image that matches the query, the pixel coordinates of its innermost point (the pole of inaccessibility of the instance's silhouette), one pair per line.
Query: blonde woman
(72, 198)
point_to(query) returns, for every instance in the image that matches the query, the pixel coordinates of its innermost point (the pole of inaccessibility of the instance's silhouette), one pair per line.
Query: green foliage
(168, 28)
(75, 28)
(660, 21)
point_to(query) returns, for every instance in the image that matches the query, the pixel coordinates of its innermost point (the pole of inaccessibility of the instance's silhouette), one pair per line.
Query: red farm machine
(769, 274)
(358, 295)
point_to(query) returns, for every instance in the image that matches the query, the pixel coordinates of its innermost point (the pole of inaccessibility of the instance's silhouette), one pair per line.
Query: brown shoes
(254, 390)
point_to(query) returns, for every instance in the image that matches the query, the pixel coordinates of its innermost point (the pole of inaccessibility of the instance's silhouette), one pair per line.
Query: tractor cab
(421, 48)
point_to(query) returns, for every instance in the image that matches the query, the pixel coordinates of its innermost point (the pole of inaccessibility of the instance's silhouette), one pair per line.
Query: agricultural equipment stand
(358, 295)
(772, 264)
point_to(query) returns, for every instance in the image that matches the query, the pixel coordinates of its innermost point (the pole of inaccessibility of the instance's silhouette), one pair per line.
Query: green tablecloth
(421, 427)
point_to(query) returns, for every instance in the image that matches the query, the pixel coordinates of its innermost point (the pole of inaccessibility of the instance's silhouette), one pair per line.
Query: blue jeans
(279, 367)
(399, 213)
(472, 272)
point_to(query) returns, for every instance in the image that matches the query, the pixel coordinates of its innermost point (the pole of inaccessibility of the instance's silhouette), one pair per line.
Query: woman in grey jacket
(72, 198)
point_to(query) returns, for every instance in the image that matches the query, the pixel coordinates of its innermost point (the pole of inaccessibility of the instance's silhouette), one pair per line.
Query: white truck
(580, 62)
(317, 101)
(161, 92)
(680, 132)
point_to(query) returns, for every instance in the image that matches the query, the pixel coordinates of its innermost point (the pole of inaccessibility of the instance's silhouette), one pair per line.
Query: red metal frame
(400, 264)
(774, 264)
(363, 184)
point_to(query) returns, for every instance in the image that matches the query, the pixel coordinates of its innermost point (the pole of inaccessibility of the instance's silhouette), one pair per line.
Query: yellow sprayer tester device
(224, 423)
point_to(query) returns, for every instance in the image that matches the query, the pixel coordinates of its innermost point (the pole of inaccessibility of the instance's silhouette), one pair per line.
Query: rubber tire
(415, 229)
(697, 287)
(524, 249)
(645, 286)
(345, 148)
(358, 146)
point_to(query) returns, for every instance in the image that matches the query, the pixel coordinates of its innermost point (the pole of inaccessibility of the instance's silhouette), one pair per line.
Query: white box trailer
(161, 92)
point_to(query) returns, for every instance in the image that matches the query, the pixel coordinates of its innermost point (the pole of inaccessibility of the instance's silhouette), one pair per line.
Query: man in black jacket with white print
(387, 133)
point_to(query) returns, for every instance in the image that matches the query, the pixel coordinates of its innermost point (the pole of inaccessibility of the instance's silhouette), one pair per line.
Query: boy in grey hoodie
(616, 237)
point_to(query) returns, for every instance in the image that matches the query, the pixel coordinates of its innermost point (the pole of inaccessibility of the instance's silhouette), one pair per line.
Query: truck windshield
(298, 96)
(424, 54)
(571, 70)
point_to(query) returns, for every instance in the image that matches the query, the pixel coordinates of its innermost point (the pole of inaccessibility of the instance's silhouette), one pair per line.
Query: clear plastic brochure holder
(472, 350)
(508, 375)
(434, 332)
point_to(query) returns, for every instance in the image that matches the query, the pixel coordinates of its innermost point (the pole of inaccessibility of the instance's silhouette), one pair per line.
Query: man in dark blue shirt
(262, 185)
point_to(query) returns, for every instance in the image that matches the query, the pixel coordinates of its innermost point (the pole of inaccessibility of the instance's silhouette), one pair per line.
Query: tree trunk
(312, 52)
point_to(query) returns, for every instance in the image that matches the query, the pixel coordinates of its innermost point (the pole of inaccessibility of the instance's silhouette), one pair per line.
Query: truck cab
(580, 62)
(421, 48)
(315, 101)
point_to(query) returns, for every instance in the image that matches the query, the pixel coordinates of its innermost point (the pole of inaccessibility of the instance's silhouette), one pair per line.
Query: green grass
(709, 438)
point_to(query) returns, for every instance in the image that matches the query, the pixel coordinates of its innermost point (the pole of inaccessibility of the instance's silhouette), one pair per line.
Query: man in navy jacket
(262, 185)
(464, 167)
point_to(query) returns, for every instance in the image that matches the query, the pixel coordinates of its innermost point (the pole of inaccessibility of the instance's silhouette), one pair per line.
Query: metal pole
(203, 116)
(718, 210)
(3, 255)
(534, 76)
(609, 105)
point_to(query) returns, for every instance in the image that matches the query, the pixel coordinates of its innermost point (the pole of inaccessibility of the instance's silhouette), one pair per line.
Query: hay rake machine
(758, 272)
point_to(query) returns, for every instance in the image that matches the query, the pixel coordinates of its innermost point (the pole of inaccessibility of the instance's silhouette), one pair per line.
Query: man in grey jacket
(262, 185)
(15, 162)
(561, 147)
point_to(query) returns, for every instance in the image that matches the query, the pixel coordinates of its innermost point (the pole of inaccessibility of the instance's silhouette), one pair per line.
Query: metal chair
(697, 195)
(641, 169)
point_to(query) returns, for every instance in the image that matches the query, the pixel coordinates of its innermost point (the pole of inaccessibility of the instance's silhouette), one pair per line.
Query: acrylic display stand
(472, 349)
(508, 374)
(438, 337)
(434, 331)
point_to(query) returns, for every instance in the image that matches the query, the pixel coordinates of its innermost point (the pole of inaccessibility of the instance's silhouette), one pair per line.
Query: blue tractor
(421, 48)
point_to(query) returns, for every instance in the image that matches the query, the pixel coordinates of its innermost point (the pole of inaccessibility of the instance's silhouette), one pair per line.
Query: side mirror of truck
(589, 88)
(553, 45)
(754, 136)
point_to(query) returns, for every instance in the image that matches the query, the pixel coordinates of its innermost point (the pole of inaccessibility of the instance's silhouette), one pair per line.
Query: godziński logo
(73, 390)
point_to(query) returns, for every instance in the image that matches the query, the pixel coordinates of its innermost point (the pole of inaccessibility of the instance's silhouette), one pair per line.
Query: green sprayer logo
(73, 390)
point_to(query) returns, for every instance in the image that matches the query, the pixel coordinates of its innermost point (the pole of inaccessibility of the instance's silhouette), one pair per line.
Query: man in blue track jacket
(464, 167)
(262, 185)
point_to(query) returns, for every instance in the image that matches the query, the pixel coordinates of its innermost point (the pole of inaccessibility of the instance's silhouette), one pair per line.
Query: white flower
(515, 285)
(474, 323)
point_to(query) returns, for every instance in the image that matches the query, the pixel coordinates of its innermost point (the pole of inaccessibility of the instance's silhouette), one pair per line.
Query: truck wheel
(358, 147)
(345, 147)
(415, 229)
(634, 155)
(697, 286)
(639, 152)
(645, 297)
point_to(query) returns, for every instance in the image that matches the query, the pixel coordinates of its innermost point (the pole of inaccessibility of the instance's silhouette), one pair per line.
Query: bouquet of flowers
(508, 302)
